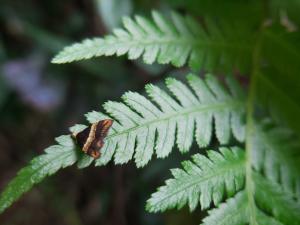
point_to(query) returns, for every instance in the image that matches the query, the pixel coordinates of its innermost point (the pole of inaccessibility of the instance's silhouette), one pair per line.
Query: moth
(91, 139)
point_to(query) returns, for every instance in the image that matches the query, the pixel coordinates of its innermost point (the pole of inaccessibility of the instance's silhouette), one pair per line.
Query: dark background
(40, 100)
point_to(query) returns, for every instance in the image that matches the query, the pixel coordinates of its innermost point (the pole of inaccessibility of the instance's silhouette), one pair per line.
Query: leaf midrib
(182, 41)
(201, 109)
(56, 158)
(222, 168)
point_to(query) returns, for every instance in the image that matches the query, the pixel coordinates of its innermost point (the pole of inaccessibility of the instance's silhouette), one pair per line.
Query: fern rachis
(137, 120)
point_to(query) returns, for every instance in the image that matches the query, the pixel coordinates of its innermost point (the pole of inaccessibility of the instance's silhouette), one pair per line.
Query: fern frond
(177, 41)
(263, 219)
(233, 212)
(141, 127)
(276, 153)
(204, 180)
(280, 206)
(271, 197)
(277, 190)
(56, 157)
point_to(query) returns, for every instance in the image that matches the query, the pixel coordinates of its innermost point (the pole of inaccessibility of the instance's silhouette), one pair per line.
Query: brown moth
(90, 140)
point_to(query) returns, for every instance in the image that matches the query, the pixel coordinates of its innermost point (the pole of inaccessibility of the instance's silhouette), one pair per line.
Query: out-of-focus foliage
(112, 11)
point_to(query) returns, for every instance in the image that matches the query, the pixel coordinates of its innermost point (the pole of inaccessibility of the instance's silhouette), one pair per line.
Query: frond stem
(250, 127)
(187, 41)
(199, 109)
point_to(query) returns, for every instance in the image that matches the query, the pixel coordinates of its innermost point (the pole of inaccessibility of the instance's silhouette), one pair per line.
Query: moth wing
(82, 136)
(94, 149)
(90, 140)
(102, 129)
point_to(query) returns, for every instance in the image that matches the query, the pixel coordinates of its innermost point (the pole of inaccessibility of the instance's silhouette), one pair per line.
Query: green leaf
(281, 204)
(278, 161)
(177, 41)
(142, 126)
(204, 180)
(112, 11)
(233, 212)
(275, 194)
(55, 158)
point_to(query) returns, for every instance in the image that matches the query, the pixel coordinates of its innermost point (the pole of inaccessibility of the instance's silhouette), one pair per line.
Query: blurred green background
(40, 100)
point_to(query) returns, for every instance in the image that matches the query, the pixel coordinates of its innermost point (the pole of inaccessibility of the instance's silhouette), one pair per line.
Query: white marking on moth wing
(90, 138)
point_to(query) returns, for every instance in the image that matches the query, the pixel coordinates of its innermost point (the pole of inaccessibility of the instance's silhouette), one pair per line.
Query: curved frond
(203, 180)
(142, 126)
(177, 41)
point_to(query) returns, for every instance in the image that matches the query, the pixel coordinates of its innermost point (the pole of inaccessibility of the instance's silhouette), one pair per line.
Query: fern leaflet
(278, 161)
(271, 197)
(137, 120)
(233, 212)
(204, 180)
(177, 41)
